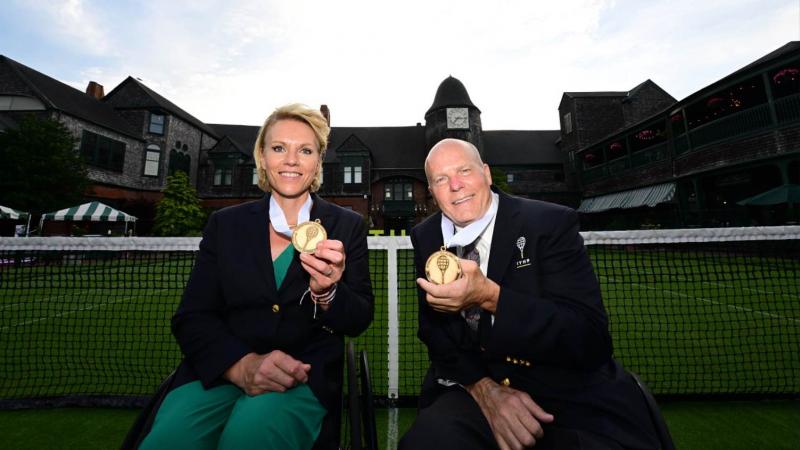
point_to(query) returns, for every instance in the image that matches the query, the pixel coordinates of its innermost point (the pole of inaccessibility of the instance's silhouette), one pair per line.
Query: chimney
(95, 90)
(326, 113)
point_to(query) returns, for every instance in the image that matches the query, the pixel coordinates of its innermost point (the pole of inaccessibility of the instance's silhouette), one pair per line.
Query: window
(223, 176)
(179, 161)
(567, 123)
(100, 151)
(254, 181)
(652, 134)
(156, 123)
(398, 191)
(510, 178)
(151, 159)
(352, 174)
(619, 147)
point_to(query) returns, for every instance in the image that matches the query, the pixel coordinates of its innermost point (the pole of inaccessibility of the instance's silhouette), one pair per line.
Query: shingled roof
(391, 147)
(243, 137)
(153, 100)
(522, 147)
(451, 92)
(62, 97)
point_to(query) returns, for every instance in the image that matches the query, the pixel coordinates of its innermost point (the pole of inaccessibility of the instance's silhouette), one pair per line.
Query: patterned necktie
(472, 314)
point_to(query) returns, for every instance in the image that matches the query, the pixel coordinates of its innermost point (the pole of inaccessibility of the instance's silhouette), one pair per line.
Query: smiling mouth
(289, 174)
(462, 200)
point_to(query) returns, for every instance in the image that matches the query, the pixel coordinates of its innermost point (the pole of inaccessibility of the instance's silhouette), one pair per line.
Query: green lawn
(686, 321)
(694, 426)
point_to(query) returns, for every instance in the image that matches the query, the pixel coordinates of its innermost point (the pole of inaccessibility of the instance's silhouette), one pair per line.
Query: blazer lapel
(504, 237)
(260, 229)
(506, 228)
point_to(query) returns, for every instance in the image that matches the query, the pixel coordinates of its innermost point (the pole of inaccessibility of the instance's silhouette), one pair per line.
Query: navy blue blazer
(231, 305)
(550, 335)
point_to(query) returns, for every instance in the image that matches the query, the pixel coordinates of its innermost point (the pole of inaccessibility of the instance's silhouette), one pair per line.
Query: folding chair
(655, 414)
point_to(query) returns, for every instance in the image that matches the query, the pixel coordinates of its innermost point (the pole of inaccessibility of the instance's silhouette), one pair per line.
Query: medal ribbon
(468, 234)
(278, 218)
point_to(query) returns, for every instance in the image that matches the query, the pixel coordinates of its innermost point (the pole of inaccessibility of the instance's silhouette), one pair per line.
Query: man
(519, 345)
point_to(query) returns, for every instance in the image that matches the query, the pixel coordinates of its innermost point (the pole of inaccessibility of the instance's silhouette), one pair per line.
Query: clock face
(457, 118)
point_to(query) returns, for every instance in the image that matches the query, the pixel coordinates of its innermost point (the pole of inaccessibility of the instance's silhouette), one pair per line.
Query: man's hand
(512, 414)
(274, 372)
(473, 288)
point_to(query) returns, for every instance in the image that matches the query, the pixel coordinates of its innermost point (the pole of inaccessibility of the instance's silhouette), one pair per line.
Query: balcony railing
(787, 109)
(733, 125)
(681, 144)
(649, 155)
(594, 173)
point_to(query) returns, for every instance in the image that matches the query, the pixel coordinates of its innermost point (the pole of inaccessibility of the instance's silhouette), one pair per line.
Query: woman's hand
(273, 372)
(325, 265)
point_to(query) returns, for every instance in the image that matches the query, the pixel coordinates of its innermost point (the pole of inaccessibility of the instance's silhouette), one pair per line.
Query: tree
(178, 213)
(500, 180)
(41, 169)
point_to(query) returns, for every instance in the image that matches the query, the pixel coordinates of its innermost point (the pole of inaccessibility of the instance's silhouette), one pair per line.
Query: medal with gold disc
(442, 267)
(307, 235)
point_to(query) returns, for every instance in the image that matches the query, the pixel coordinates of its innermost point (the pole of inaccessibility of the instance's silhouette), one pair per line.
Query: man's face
(459, 182)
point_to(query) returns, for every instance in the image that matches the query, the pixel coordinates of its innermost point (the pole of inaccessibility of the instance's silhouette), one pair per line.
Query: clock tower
(452, 115)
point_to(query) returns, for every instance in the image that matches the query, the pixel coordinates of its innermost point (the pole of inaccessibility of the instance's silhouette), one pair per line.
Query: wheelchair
(359, 420)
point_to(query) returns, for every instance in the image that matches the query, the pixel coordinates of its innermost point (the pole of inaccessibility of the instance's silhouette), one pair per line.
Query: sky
(379, 63)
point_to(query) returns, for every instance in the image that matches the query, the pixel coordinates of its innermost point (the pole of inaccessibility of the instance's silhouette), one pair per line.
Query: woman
(261, 325)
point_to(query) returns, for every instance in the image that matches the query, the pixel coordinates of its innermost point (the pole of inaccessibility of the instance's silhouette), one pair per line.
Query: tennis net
(693, 312)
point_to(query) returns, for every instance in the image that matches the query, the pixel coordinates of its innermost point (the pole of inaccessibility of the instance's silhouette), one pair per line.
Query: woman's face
(291, 157)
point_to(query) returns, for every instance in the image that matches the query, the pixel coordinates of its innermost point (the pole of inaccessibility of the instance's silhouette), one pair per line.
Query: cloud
(379, 63)
(70, 23)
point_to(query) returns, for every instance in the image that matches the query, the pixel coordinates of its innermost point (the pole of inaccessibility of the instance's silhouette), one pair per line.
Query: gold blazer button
(506, 382)
(276, 308)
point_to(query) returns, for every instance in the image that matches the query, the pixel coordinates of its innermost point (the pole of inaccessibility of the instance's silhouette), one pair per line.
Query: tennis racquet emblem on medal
(442, 267)
(307, 235)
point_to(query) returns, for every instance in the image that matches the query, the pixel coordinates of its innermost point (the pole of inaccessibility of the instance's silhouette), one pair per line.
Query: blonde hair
(301, 113)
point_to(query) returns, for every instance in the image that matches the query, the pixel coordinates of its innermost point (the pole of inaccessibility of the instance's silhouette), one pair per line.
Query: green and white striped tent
(92, 211)
(11, 213)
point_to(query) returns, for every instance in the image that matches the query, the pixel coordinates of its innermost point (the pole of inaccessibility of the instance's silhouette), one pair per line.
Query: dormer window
(567, 123)
(156, 124)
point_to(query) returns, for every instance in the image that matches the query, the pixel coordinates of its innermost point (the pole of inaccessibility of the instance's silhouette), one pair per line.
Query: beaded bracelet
(324, 299)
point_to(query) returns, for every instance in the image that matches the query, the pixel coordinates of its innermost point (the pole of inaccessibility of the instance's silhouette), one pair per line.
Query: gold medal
(442, 267)
(307, 235)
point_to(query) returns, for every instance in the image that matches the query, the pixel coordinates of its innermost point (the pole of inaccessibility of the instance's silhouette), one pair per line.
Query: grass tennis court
(695, 425)
(688, 321)
(691, 319)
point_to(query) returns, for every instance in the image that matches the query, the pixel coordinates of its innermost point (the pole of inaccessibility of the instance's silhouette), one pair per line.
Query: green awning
(646, 196)
(787, 193)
